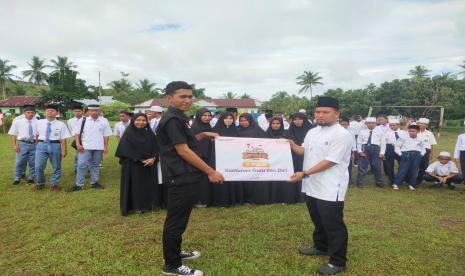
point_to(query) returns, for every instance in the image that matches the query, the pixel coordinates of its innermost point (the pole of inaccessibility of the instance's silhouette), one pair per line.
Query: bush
(111, 111)
(7, 121)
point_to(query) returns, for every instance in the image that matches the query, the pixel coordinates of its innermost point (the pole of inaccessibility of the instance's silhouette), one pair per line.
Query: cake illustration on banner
(255, 156)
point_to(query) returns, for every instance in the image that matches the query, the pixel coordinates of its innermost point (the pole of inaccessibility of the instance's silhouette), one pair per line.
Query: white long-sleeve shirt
(377, 138)
(390, 136)
(428, 138)
(408, 143)
(459, 145)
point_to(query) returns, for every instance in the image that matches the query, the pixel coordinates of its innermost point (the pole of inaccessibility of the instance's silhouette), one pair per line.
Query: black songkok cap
(29, 107)
(417, 127)
(77, 106)
(325, 101)
(52, 106)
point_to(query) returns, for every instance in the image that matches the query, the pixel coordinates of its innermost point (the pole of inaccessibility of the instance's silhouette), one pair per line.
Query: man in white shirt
(92, 144)
(382, 122)
(410, 148)
(459, 152)
(326, 150)
(371, 146)
(429, 141)
(392, 135)
(22, 132)
(155, 114)
(120, 127)
(78, 112)
(262, 120)
(443, 171)
(51, 136)
(356, 125)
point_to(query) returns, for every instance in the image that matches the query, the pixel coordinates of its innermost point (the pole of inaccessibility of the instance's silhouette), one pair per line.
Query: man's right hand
(16, 148)
(216, 177)
(362, 154)
(80, 148)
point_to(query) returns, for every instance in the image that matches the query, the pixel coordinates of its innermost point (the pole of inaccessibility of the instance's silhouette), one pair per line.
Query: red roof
(239, 103)
(19, 101)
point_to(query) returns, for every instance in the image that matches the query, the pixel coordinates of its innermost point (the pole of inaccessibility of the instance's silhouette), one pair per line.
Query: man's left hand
(296, 177)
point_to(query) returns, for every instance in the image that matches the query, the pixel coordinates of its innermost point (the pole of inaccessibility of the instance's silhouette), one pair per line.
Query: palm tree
(307, 80)
(245, 96)
(229, 95)
(5, 75)
(462, 72)
(145, 86)
(418, 72)
(62, 63)
(35, 74)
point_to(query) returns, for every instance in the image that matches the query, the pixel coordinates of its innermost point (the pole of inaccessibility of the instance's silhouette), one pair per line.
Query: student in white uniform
(344, 122)
(51, 135)
(262, 120)
(356, 125)
(326, 150)
(429, 141)
(92, 144)
(371, 146)
(392, 135)
(382, 122)
(120, 127)
(459, 152)
(443, 171)
(78, 112)
(410, 148)
(23, 133)
(155, 114)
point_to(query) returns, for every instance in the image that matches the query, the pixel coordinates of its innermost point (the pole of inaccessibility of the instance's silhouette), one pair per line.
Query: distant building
(102, 100)
(15, 104)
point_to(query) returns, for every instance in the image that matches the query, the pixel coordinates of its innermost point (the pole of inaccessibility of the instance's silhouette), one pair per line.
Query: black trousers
(330, 234)
(424, 162)
(182, 194)
(388, 163)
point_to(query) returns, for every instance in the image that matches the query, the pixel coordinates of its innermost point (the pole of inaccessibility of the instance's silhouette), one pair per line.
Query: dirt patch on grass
(451, 224)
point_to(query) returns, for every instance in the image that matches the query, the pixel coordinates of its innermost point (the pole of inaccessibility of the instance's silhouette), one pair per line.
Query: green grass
(390, 233)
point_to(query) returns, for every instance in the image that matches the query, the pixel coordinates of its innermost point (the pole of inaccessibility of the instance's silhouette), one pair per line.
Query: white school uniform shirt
(73, 123)
(408, 143)
(377, 138)
(442, 169)
(384, 128)
(390, 136)
(354, 143)
(94, 131)
(332, 143)
(20, 128)
(119, 128)
(263, 122)
(459, 145)
(355, 127)
(59, 130)
(428, 138)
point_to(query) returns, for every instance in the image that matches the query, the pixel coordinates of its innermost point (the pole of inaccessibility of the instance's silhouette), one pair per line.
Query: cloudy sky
(251, 46)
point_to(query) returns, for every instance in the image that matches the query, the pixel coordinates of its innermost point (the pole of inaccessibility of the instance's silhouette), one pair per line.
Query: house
(15, 104)
(101, 100)
(243, 105)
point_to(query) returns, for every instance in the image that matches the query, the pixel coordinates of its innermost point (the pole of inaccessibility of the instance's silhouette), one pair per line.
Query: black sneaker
(182, 270)
(75, 188)
(329, 269)
(312, 251)
(97, 185)
(189, 255)
(30, 181)
(16, 182)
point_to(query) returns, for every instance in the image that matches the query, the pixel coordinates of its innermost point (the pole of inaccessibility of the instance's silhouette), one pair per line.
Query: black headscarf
(270, 133)
(137, 143)
(298, 133)
(198, 126)
(253, 130)
(223, 130)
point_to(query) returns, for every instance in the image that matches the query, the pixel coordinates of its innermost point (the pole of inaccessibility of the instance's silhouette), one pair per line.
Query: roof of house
(19, 101)
(239, 103)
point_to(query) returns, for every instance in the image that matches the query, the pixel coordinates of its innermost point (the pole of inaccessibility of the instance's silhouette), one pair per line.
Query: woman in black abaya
(230, 192)
(201, 124)
(255, 192)
(138, 151)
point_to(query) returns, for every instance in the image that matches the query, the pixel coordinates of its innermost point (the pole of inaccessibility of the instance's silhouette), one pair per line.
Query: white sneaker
(183, 270)
(411, 188)
(395, 187)
(189, 255)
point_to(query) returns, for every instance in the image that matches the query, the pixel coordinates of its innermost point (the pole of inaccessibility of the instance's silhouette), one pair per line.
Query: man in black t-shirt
(182, 170)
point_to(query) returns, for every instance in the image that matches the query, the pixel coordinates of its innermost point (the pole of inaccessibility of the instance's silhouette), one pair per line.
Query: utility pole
(99, 89)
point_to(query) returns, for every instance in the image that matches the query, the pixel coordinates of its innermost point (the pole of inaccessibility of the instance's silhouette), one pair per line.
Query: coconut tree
(145, 86)
(463, 68)
(6, 75)
(61, 63)
(418, 72)
(308, 80)
(36, 74)
(229, 95)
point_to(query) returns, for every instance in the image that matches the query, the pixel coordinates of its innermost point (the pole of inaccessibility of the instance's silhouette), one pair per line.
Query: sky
(256, 47)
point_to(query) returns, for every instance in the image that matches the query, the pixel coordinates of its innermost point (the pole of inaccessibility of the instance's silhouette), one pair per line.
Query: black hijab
(253, 130)
(198, 126)
(223, 130)
(137, 143)
(298, 133)
(270, 133)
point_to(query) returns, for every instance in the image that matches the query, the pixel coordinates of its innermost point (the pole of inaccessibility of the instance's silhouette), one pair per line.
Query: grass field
(390, 232)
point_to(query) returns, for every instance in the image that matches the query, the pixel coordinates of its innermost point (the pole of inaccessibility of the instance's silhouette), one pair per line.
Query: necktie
(47, 132)
(369, 138)
(31, 132)
(155, 126)
(397, 135)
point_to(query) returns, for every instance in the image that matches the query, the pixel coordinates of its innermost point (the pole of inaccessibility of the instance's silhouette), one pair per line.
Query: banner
(253, 159)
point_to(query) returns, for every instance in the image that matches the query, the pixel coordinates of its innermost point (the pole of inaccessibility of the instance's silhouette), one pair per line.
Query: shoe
(182, 270)
(38, 187)
(55, 188)
(75, 188)
(451, 186)
(30, 181)
(329, 269)
(380, 185)
(97, 185)
(411, 188)
(395, 187)
(16, 182)
(189, 255)
(312, 251)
